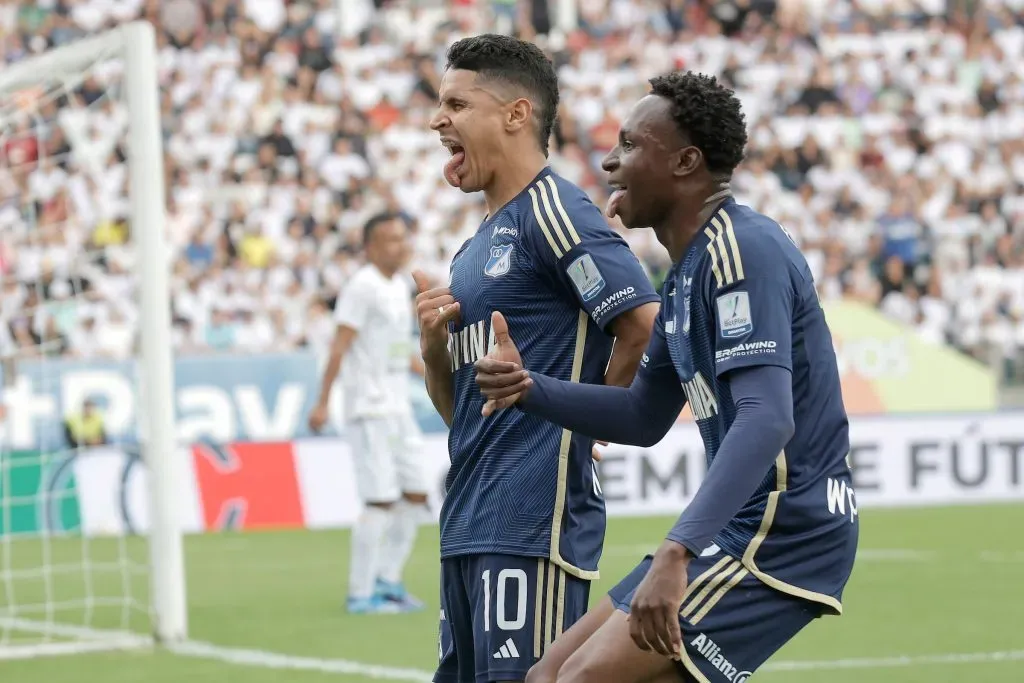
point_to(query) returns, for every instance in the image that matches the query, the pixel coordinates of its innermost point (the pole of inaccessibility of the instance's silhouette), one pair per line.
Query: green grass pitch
(929, 584)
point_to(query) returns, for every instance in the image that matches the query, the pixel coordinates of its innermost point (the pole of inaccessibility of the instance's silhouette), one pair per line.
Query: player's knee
(578, 669)
(542, 672)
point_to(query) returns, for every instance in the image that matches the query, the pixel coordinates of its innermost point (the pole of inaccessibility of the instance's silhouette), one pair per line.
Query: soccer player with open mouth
(523, 521)
(758, 554)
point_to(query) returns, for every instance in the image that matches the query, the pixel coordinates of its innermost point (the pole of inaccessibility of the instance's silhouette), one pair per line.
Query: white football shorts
(387, 457)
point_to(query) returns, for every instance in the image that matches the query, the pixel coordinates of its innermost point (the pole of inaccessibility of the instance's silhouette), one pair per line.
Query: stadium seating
(886, 139)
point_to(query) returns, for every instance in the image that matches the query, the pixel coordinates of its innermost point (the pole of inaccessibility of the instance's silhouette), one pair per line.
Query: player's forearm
(638, 415)
(330, 374)
(761, 429)
(440, 385)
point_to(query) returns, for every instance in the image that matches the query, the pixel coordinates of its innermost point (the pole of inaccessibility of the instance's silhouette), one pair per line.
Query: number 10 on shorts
(502, 608)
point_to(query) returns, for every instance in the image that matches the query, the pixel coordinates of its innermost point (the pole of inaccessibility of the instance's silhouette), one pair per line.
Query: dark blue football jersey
(519, 484)
(743, 295)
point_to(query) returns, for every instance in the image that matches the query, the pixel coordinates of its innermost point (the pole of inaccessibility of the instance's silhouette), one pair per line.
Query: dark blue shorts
(499, 612)
(731, 622)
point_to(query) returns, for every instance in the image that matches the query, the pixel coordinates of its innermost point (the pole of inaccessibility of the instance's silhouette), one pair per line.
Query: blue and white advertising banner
(217, 398)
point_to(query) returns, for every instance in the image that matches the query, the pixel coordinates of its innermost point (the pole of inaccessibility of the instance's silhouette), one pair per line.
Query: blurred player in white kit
(374, 339)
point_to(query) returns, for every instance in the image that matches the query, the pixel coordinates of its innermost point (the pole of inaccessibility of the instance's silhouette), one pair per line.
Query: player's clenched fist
(435, 308)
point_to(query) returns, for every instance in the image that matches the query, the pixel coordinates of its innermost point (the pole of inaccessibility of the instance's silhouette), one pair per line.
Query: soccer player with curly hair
(764, 548)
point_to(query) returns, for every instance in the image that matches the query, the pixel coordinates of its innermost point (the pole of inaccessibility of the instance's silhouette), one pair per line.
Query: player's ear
(518, 114)
(687, 160)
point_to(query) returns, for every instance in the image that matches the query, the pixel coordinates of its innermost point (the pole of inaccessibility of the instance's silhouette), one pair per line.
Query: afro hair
(518, 63)
(709, 114)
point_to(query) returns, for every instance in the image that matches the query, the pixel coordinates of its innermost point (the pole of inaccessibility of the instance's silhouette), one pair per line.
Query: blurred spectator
(884, 136)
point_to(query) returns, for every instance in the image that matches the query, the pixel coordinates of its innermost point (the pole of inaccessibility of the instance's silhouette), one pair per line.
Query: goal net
(84, 281)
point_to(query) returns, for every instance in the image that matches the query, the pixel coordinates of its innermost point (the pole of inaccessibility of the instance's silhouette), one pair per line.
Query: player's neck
(688, 217)
(388, 273)
(513, 179)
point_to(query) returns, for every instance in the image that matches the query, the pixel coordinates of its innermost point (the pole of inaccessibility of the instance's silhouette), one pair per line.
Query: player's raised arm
(596, 269)
(639, 415)
(435, 308)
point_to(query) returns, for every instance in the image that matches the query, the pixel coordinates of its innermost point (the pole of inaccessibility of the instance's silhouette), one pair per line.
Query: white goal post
(134, 46)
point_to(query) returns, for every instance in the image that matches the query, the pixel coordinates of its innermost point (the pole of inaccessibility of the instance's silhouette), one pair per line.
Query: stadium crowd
(885, 135)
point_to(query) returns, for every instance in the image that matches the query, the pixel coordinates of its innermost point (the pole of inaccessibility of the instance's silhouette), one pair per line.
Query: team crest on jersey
(734, 315)
(588, 279)
(500, 261)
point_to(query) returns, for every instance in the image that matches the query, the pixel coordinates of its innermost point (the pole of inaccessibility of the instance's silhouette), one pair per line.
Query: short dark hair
(709, 114)
(377, 220)
(515, 62)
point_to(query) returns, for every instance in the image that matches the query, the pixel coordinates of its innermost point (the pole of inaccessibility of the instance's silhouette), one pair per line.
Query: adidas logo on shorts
(507, 651)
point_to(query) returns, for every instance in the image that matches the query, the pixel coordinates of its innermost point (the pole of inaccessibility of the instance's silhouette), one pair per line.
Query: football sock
(367, 538)
(399, 540)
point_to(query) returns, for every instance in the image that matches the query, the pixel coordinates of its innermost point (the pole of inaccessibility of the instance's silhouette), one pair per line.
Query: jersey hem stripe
(781, 473)
(563, 466)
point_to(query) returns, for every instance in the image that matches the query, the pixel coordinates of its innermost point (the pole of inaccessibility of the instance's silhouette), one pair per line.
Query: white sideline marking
(274, 660)
(895, 662)
(97, 640)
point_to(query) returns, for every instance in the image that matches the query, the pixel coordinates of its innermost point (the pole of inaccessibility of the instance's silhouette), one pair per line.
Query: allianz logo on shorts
(711, 652)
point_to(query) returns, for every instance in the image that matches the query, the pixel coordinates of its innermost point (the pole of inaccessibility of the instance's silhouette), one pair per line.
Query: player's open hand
(435, 308)
(500, 374)
(654, 612)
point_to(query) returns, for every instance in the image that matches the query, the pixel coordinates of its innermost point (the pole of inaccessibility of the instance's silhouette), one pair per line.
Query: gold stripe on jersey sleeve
(556, 229)
(719, 594)
(730, 568)
(781, 474)
(538, 610)
(573, 235)
(543, 226)
(714, 256)
(563, 466)
(734, 246)
(725, 262)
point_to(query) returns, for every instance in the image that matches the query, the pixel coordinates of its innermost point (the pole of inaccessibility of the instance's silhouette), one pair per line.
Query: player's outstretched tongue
(614, 199)
(451, 169)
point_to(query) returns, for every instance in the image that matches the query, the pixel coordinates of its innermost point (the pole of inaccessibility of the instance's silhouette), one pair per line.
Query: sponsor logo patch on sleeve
(586, 277)
(734, 315)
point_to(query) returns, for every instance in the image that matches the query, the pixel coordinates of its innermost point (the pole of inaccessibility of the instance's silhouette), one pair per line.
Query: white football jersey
(375, 371)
